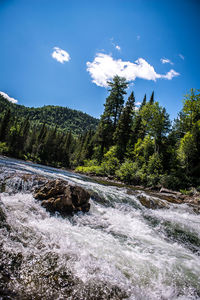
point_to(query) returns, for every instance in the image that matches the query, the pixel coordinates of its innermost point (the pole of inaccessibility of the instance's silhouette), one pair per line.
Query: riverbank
(192, 198)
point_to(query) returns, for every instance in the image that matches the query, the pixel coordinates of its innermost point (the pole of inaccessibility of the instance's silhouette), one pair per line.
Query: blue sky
(62, 52)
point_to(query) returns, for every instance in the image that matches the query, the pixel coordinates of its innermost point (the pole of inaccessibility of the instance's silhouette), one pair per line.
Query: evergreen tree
(124, 127)
(5, 124)
(144, 101)
(104, 135)
(138, 129)
(42, 133)
(113, 107)
(67, 148)
(151, 101)
(87, 149)
(115, 101)
(50, 145)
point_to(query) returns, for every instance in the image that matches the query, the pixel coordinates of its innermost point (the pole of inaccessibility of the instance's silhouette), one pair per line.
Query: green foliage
(153, 180)
(186, 192)
(109, 119)
(151, 101)
(127, 171)
(115, 101)
(63, 118)
(144, 148)
(170, 181)
(144, 101)
(156, 121)
(90, 167)
(110, 161)
(191, 108)
(4, 128)
(123, 131)
(3, 148)
(154, 166)
(96, 170)
(187, 149)
(137, 146)
(90, 163)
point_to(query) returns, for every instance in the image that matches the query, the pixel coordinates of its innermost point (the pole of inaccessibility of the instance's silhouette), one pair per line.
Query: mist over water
(119, 250)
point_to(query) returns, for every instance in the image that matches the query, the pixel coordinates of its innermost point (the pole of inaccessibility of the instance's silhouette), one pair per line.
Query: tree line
(142, 146)
(135, 145)
(64, 118)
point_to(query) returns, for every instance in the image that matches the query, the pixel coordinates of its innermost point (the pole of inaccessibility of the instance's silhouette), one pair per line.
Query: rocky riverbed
(100, 242)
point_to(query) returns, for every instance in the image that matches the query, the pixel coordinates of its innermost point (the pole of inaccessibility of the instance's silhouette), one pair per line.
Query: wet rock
(50, 189)
(172, 198)
(152, 203)
(132, 191)
(59, 196)
(167, 191)
(194, 202)
(95, 196)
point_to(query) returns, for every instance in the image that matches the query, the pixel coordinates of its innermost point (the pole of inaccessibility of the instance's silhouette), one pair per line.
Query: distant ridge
(64, 118)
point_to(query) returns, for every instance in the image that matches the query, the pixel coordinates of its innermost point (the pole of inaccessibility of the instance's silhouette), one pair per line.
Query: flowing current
(119, 250)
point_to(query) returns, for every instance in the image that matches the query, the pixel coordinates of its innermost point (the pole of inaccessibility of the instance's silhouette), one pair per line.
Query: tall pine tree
(124, 128)
(113, 108)
(144, 101)
(151, 101)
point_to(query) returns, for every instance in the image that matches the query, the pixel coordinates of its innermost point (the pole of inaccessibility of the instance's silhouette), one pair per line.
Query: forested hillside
(64, 118)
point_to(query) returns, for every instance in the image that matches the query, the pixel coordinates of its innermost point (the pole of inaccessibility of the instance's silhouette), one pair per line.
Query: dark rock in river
(59, 196)
(152, 203)
(56, 195)
(99, 199)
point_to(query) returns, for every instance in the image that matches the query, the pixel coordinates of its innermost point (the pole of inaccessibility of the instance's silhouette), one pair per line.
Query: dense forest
(136, 145)
(63, 118)
(142, 146)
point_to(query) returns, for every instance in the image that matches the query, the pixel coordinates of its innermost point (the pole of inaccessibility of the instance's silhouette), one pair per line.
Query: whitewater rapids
(119, 250)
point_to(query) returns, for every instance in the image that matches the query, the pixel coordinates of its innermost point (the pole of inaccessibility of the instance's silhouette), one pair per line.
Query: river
(119, 250)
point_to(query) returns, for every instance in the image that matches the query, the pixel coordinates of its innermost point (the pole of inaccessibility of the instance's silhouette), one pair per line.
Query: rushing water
(119, 250)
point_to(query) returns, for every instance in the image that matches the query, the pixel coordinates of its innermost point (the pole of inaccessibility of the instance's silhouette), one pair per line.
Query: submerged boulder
(60, 196)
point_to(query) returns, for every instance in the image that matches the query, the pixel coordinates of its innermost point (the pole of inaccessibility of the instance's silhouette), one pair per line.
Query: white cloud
(169, 75)
(104, 68)
(137, 103)
(60, 55)
(166, 61)
(8, 98)
(181, 56)
(118, 47)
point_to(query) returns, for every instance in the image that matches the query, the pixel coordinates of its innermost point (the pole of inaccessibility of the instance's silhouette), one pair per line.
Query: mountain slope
(64, 118)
